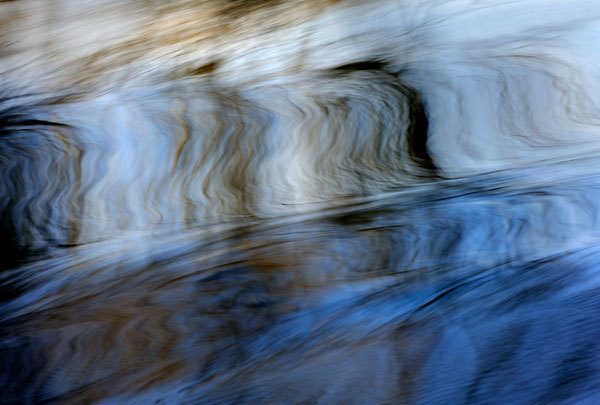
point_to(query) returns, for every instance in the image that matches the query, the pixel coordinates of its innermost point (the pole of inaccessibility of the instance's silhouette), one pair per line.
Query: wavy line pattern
(230, 202)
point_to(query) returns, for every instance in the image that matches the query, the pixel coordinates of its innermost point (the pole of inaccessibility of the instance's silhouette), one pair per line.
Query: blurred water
(228, 202)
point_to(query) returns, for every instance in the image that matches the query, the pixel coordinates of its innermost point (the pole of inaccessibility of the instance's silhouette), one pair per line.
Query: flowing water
(281, 202)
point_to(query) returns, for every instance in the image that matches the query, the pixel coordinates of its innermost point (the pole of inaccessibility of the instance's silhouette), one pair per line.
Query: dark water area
(311, 202)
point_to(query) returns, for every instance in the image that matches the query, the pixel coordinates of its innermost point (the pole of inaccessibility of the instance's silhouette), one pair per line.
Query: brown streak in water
(184, 139)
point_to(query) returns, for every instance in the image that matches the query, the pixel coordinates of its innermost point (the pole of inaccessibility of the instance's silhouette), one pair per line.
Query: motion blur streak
(272, 201)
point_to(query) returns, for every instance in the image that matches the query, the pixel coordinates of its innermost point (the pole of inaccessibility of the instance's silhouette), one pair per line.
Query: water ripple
(299, 202)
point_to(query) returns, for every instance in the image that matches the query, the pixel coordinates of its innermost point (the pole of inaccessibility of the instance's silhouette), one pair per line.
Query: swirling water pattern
(229, 202)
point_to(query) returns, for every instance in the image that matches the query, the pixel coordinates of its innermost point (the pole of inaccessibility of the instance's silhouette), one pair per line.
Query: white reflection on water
(290, 202)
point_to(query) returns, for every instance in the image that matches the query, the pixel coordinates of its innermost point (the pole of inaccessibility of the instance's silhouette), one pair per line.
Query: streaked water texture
(298, 202)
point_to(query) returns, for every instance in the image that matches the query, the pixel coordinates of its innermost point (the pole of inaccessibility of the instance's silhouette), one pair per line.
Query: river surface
(300, 202)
